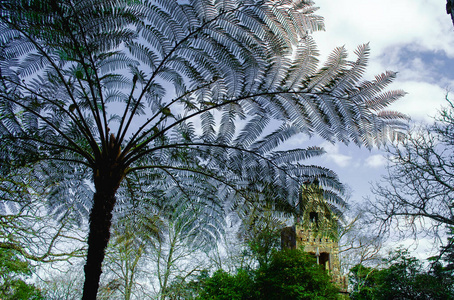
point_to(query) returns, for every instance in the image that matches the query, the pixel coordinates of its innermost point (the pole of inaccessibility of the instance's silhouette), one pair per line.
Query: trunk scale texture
(107, 179)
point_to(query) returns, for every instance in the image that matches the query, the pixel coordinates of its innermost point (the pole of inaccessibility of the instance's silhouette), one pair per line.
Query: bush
(290, 274)
(12, 272)
(405, 278)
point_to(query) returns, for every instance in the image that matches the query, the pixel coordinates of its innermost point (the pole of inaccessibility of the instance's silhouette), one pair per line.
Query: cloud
(413, 37)
(387, 22)
(333, 154)
(423, 101)
(414, 64)
(376, 161)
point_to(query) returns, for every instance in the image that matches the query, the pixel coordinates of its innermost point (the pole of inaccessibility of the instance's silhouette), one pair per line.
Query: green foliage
(260, 232)
(12, 271)
(263, 246)
(290, 274)
(447, 252)
(293, 274)
(404, 278)
(224, 286)
(363, 282)
(186, 288)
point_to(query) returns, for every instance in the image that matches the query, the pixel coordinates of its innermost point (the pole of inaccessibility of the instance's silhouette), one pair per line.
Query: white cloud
(376, 161)
(423, 101)
(333, 154)
(413, 37)
(387, 22)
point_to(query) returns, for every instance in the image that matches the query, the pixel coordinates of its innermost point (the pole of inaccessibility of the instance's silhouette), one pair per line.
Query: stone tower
(315, 231)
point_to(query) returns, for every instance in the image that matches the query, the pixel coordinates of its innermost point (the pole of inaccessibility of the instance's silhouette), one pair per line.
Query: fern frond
(304, 64)
(273, 140)
(382, 100)
(334, 66)
(296, 155)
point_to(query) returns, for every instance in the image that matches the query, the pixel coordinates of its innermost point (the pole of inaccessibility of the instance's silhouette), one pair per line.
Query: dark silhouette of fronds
(450, 9)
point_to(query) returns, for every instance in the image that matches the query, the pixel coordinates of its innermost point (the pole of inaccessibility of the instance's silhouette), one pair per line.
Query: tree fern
(190, 98)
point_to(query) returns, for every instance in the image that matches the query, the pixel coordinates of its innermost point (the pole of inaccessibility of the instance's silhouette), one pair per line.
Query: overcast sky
(414, 38)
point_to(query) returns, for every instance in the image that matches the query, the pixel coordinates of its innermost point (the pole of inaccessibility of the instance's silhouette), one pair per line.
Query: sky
(414, 38)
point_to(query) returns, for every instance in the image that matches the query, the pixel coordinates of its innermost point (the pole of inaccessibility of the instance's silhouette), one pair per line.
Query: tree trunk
(99, 235)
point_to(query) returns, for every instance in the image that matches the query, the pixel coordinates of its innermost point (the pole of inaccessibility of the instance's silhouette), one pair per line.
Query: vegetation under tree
(402, 277)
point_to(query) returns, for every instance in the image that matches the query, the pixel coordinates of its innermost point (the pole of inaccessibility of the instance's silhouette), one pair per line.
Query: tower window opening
(324, 260)
(313, 218)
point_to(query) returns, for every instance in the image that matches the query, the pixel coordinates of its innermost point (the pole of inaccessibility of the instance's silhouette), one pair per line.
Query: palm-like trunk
(100, 223)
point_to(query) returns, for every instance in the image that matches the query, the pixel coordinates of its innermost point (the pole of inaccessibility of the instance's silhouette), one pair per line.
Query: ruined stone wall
(325, 249)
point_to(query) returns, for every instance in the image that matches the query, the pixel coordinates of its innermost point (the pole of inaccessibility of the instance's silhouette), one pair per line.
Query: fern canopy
(176, 102)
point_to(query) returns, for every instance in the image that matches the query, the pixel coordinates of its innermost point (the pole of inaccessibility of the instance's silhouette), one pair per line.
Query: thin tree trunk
(130, 279)
(99, 235)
